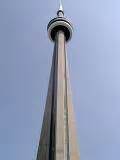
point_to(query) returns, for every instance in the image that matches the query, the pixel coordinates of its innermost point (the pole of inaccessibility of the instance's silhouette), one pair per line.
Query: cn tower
(58, 140)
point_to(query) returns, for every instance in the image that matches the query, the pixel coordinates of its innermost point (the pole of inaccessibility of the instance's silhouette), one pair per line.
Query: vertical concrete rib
(60, 129)
(44, 148)
(73, 143)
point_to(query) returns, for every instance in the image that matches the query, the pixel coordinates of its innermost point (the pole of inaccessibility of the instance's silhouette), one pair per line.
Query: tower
(58, 135)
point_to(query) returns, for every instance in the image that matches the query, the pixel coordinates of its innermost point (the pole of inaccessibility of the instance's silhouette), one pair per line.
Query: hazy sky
(25, 60)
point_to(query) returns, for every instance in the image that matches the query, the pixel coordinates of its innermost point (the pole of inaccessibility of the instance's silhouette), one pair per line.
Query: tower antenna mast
(61, 6)
(60, 11)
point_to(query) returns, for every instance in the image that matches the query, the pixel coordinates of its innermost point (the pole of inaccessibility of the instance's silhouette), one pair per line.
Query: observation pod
(60, 23)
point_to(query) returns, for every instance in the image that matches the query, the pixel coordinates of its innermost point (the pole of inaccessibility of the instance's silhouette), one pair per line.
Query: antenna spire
(60, 10)
(61, 6)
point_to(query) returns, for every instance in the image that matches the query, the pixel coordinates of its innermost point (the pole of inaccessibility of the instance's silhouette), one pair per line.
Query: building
(58, 140)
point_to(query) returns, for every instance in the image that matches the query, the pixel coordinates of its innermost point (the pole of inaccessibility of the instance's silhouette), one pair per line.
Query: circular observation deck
(59, 24)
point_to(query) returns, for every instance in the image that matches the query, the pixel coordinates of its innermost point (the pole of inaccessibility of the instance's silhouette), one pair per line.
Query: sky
(94, 62)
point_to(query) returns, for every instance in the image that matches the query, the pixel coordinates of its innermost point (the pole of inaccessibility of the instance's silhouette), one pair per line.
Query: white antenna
(61, 6)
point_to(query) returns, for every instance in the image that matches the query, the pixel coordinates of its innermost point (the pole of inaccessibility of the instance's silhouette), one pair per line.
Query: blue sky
(25, 61)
